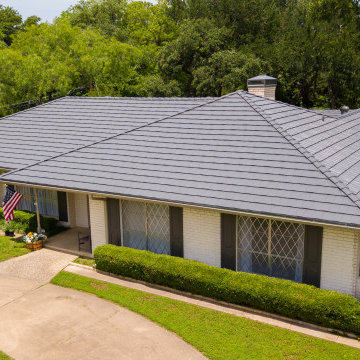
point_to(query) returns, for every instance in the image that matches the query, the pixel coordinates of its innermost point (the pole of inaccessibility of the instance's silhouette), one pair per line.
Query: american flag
(11, 199)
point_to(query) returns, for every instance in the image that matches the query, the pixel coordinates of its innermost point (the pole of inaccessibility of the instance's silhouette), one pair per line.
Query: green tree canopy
(185, 48)
(56, 58)
(10, 23)
(317, 58)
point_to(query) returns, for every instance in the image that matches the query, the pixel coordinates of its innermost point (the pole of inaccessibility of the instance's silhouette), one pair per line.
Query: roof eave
(195, 205)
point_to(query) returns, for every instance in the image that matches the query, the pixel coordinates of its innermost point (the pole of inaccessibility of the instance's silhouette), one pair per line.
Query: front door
(62, 203)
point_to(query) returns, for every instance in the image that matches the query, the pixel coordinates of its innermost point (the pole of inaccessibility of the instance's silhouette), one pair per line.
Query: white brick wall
(98, 221)
(71, 209)
(202, 235)
(264, 91)
(357, 269)
(81, 210)
(339, 260)
(340, 252)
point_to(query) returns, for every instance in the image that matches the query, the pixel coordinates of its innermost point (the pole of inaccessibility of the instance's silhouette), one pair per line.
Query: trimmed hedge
(26, 221)
(283, 297)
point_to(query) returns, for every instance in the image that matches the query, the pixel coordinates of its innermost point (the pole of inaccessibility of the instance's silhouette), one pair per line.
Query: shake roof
(239, 152)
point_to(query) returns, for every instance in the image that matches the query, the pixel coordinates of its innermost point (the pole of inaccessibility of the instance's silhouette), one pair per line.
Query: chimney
(262, 85)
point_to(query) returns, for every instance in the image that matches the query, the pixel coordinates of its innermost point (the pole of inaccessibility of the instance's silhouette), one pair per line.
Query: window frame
(146, 205)
(269, 254)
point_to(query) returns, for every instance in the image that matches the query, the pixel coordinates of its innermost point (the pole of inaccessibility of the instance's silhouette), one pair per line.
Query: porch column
(39, 230)
(98, 221)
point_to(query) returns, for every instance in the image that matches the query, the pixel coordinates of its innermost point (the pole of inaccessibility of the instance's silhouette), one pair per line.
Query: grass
(11, 247)
(84, 261)
(4, 356)
(217, 335)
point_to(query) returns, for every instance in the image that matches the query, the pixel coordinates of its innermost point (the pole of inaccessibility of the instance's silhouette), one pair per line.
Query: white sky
(47, 10)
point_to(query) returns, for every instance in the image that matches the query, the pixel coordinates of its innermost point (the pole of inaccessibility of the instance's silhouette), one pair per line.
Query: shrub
(26, 221)
(283, 297)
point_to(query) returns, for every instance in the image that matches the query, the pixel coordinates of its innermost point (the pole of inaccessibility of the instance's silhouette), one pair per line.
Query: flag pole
(37, 211)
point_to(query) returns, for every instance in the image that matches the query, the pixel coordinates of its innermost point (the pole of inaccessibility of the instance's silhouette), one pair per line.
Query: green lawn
(215, 334)
(83, 261)
(10, 247)
(4, 356)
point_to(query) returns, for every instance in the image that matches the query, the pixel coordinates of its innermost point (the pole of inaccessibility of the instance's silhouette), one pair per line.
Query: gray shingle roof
(333, 143)
(239, 152)
(331, 112)
(67, 123)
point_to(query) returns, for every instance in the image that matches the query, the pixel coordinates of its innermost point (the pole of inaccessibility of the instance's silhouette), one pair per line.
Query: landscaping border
(230, 305)
(222, 303)
(328, 309)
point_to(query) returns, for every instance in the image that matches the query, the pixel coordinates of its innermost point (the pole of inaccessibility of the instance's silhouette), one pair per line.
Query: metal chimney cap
(344, 109)
(262, 80)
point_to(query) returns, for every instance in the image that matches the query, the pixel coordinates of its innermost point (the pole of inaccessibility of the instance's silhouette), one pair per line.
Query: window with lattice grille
(270, 247)
(48, 201)
(146, 226)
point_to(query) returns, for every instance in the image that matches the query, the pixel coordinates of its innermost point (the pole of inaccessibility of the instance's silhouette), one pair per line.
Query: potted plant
(34, 241)
(9, 229)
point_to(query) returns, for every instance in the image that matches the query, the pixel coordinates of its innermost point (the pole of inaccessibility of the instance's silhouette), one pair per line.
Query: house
(241, 181)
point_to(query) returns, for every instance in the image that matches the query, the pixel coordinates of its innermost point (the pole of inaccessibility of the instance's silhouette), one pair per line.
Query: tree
(248, 20)
(31, 20)
(106, 16)
(227, 71)
(56, 58)
(317, 59)
(137, 22)
(148, 24)
(10, 23)
(197, 41)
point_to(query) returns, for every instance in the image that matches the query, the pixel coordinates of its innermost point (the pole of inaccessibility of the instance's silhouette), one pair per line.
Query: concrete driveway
(42, 321)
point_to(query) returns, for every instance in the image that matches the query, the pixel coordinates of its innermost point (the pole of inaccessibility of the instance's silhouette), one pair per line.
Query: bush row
(283, 297)
(26, 221)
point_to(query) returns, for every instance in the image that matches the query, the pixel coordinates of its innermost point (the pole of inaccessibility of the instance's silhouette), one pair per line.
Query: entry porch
(76, 241)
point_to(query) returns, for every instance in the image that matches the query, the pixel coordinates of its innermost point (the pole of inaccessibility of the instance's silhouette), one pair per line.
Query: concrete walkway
(41, 265)
(262, 317)
(45, 322)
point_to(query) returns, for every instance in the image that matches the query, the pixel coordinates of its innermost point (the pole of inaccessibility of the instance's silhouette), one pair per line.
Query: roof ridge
(286, 104)
(319, 165)
(116, 135)
(351, 112)
(31, 108)
(144, 97)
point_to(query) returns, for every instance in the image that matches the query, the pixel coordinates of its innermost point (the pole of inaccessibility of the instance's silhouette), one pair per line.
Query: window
(48, 201)
(270, 247)
(146, 226)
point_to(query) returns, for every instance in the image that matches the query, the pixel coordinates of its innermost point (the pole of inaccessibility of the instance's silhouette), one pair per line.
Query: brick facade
(264, 91)
(98, 222)
(81, 210)
(202, 235)
(339, 266)
(340, 253)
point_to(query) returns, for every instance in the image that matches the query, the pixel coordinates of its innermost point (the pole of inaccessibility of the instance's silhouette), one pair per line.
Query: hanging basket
(37, 245)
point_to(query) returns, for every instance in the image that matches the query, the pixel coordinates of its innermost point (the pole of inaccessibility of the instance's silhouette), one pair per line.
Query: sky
(47, 10)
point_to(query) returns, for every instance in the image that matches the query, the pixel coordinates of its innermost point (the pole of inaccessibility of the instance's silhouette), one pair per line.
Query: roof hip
(319, 165)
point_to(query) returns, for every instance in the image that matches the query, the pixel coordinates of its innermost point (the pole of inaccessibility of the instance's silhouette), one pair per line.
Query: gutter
(103, 195)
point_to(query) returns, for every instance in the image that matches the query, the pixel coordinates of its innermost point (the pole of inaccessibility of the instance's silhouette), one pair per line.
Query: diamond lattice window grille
(134, 224)
(269, 247)
(158, 228)
(146, 226)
